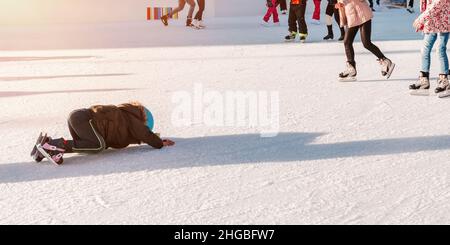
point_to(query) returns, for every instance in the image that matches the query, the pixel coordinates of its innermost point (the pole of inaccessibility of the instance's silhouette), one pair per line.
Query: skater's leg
(366, 32)
(275, 12)
(316, 14)
(300, 13)
(336, 16)
(191, 8)
(428, 43)
(266, 17)
(442, 52)
(201, 9)
(348, 43)
(181, 4)
(292, 19)
(85, 136)
(283, 5)
(329, 21)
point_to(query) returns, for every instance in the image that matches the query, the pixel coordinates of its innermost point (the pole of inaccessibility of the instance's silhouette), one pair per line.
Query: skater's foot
(410, 10)
(165, 20)
(189, 23)
(303, 37)
(276, 24)
(443, 83)
(53, 150)
(284, 12)
(330, 35)
(315, 22)
(341, 38)
(265, 23)
(349, 74)
(291, 37)
(422, 83)
(198, 24)
(387, 67)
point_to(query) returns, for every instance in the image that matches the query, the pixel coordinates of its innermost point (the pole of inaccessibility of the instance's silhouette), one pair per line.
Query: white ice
(348, 153)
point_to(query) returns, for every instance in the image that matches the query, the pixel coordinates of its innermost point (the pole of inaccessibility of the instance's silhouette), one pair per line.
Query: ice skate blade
(391, 69)
(45, 154)
(445, 94)
(348, 79)
(421, 92)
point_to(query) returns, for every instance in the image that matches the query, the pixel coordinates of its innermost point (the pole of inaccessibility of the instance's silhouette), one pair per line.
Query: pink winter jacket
(435, 17)
(357, 12)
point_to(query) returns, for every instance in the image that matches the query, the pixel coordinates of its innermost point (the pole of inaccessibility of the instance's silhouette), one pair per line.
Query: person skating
(434, 22)
(330, 11)
(181, 4)
(357, 16)
(100, 127)
(198, 19)
(297, 16)
(271, 12)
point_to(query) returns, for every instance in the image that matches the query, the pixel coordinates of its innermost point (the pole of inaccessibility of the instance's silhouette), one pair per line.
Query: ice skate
(410, 10)
(291, 37)
(387, 67)
(341, 38)
(443, 84)
(303, 37)
(265, 23)
(421, 87)
(35, 154)
(349, 75)
(189, 23)
(330, 35)
(198, 24)
(53, 150)
(165, 20)
(284, 12)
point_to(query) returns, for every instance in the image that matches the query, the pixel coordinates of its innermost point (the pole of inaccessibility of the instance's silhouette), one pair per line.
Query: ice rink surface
(364, 152)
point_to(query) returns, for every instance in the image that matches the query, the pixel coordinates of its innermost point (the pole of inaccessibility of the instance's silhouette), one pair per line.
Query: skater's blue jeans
(428, 43)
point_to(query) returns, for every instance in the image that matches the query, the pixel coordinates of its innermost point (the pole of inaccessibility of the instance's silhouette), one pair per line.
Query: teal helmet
(150, 122)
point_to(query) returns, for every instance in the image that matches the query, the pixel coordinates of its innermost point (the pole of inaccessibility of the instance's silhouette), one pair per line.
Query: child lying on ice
(100, 127)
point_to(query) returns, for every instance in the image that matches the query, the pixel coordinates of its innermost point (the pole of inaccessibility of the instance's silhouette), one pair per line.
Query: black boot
(330, 33)
(341, 38)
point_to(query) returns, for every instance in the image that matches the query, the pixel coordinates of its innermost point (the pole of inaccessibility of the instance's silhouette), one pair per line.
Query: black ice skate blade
(445, 94)
(45, 154)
